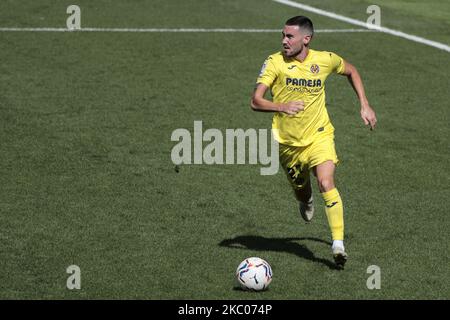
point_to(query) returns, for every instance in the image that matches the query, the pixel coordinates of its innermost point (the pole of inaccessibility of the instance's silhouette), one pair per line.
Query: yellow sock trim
(335, 213)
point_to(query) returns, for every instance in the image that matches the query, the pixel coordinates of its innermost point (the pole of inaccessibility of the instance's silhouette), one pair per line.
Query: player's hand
(368, 116)
(293, 107)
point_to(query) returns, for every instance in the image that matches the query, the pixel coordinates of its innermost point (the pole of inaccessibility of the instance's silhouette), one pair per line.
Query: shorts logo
(314, 68)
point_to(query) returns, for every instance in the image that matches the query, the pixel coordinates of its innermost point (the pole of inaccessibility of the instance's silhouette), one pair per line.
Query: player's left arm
(367, 113)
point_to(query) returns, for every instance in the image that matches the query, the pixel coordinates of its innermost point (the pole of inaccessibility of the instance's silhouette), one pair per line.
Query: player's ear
(307, 39)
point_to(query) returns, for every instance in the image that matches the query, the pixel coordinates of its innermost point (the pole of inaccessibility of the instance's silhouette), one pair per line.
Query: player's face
(293, 41)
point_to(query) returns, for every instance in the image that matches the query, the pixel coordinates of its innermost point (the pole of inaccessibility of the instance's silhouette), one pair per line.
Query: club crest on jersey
(314, 68)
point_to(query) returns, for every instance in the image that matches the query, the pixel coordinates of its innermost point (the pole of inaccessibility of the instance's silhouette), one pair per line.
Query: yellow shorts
(297, 161)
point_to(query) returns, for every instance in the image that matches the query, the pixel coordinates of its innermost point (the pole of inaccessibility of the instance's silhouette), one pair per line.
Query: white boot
(339, 254)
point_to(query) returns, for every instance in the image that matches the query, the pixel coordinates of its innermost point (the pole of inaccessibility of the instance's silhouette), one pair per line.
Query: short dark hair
(302, 22)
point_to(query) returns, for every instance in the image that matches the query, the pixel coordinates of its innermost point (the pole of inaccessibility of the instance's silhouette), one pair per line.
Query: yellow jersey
(292, 80)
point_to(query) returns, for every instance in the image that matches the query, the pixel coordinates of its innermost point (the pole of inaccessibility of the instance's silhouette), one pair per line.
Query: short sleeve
(337, 63)
(268, 73)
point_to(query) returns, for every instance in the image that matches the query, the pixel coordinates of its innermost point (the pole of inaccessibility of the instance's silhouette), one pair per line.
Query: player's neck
(302, 55)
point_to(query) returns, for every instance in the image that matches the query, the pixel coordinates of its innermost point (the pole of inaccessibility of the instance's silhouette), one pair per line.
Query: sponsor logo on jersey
(303, 82)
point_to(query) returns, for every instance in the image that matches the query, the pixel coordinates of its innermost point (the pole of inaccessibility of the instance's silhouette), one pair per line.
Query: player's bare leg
(334, 209)
(324, 173)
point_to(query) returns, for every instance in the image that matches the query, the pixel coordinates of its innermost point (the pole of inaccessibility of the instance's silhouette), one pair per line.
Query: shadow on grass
(288, 245)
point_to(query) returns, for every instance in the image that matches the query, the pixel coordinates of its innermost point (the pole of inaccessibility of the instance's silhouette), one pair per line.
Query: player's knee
(326, 184)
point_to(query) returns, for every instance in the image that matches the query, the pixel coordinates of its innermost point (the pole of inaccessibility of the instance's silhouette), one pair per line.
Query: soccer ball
(254, 274)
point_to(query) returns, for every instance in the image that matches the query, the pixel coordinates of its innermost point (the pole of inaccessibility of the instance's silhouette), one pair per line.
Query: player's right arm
(259, 103)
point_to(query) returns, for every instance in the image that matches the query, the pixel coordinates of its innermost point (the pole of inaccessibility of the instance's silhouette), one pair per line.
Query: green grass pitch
(87, 178)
